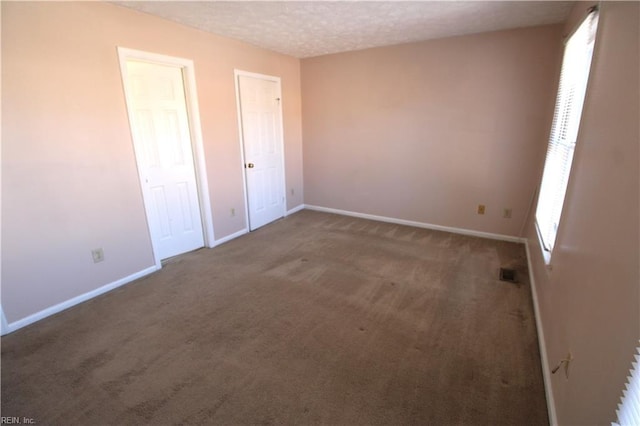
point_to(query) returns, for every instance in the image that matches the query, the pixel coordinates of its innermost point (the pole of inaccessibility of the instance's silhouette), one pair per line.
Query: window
(564, 130)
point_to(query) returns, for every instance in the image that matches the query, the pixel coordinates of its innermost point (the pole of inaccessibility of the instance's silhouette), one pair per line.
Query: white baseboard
(228, 238)
(453, 230)
(11, 327)
(295, 210)
(542, 346)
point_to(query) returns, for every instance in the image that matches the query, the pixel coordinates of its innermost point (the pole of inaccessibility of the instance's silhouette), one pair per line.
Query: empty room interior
(320, 212)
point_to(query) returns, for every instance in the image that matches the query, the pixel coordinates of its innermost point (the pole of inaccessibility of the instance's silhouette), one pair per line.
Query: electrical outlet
(481, 208)
(233, 212)
(98, 255)
(506, 213)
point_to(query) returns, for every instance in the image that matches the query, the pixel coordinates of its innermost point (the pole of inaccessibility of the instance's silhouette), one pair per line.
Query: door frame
(4, 325)
(236, 76)
(195, 131)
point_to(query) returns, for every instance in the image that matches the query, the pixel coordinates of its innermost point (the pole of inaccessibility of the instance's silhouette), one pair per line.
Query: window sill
(546, 254)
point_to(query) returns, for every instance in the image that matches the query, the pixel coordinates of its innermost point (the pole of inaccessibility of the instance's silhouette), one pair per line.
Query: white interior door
(162, 141)
(262, 143)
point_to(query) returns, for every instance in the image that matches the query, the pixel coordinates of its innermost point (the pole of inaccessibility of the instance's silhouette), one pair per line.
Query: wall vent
(508, 275)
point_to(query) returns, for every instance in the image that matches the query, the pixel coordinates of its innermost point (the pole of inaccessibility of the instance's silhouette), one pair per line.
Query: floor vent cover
(508, 275)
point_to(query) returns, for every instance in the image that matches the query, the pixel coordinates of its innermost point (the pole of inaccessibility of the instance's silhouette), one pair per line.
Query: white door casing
(260, 118)
(4, 326)
(162, 127)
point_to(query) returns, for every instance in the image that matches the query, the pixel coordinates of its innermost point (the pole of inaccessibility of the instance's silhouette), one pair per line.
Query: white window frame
(572, 88)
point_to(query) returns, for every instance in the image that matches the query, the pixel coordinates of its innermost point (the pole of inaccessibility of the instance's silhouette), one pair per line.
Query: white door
(262, 143)
(162, 141)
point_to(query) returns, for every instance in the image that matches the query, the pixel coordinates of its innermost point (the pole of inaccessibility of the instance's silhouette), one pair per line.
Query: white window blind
(564, 130)
(629, 408)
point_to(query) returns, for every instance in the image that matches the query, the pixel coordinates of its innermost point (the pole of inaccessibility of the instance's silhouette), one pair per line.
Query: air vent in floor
(508, 275)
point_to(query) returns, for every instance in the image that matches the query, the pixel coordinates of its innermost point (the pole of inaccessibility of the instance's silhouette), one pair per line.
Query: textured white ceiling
(312, 28)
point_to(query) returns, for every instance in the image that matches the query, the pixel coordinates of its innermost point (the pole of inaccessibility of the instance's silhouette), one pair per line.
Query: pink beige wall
(590, 299)
(422, 132)
(427, 131)
(69, 180)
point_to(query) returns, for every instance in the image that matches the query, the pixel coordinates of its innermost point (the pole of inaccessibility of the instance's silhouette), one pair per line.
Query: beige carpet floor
(314, 319)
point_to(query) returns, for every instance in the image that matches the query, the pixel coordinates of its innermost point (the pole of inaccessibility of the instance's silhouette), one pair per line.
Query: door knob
(250, 165)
